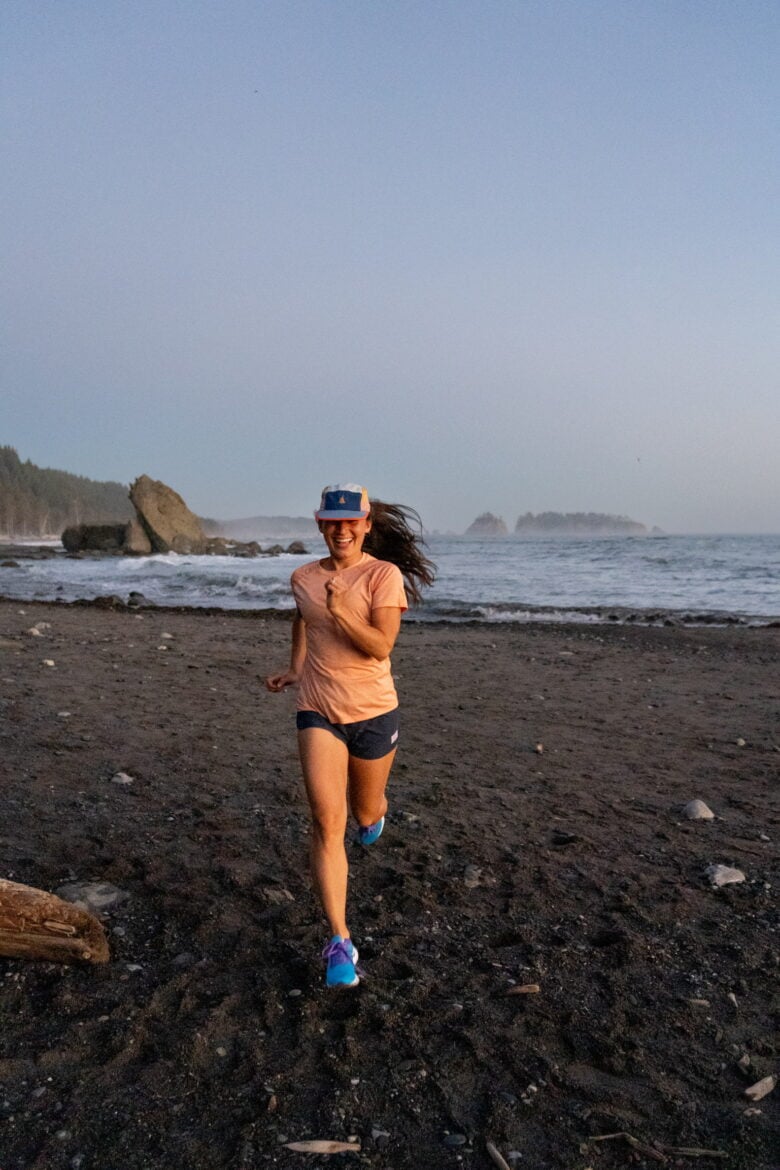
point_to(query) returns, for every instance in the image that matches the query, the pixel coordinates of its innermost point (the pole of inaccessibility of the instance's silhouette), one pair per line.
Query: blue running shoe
(368, 834)
(342, 957)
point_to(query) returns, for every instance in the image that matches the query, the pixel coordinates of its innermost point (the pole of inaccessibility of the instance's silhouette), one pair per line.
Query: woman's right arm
(290, 677)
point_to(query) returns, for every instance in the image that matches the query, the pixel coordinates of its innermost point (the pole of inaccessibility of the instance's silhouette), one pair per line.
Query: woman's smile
(344, 539)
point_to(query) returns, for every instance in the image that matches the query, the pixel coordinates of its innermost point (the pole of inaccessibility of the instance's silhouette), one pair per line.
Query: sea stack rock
(166, 519)
(487, 525)
(136, 542)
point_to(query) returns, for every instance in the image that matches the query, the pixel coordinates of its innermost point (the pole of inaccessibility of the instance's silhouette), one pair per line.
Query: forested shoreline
(39, 501)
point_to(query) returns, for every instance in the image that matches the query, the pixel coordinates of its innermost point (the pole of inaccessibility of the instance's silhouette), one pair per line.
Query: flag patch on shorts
(394, 737)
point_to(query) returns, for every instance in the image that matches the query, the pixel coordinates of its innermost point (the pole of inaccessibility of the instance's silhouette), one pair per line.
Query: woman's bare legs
(367, 783)
(325, 762)
(329, 772)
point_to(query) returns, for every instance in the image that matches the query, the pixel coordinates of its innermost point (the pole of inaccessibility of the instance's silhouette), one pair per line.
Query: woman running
(348, 615)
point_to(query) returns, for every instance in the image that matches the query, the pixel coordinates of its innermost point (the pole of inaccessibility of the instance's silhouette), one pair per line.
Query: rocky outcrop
(218, 546)
(487, 525)
(94, 538)
(163, 524)
(166, 519)
(136, 542)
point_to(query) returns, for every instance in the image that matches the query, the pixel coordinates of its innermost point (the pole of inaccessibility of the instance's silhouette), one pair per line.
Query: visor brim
(340, 515)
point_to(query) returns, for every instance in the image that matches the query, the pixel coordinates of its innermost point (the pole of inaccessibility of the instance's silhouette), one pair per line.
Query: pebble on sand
(453, 1140)
(697, 810)
(277, 896)
(92, 896)
(761, 1088)
(121, 778)
(724, 875)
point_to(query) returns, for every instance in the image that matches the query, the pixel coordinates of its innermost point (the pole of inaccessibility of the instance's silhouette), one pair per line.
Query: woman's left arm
(375, 637)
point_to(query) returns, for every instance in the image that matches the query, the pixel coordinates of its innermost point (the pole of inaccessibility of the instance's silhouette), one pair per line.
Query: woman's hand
(375, 637)
(335, 593)
(279, 682)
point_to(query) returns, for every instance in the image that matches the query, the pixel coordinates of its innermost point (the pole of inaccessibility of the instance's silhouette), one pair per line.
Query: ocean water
(554, 578)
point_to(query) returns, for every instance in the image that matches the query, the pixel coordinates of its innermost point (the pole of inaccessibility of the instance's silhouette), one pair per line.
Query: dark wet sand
(570, 868)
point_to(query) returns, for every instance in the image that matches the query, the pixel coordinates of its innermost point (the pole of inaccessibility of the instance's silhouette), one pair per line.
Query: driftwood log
(37, 925)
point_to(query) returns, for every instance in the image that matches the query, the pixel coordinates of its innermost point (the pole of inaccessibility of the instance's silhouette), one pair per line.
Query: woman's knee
(329, 826)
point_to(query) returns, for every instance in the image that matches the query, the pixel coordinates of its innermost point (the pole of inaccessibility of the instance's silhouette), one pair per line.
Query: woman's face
(344, 538)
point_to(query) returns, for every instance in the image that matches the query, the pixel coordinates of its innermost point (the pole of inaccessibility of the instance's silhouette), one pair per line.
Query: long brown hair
(396, 536)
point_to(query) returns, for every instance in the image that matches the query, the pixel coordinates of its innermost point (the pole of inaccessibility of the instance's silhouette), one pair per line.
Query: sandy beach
(535, 838)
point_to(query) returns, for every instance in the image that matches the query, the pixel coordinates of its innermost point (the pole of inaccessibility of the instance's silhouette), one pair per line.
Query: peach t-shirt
(339, 681)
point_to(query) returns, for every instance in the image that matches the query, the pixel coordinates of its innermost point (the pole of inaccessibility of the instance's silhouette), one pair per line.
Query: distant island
(578, 524)
(560, 524)
(487, 525)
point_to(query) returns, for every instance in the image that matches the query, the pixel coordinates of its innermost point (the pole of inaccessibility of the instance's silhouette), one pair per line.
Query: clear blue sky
(477, 255)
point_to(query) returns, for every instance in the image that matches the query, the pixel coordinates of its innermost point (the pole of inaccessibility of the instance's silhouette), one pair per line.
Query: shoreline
(552, 616)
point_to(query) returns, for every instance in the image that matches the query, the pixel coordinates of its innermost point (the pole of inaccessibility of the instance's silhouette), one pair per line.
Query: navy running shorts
(368, 739)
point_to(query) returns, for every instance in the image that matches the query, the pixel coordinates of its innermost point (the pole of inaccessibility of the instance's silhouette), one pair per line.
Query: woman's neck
(338, 566)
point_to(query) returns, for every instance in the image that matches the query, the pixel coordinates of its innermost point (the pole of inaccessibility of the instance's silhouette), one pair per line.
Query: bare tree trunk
(35, 924)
